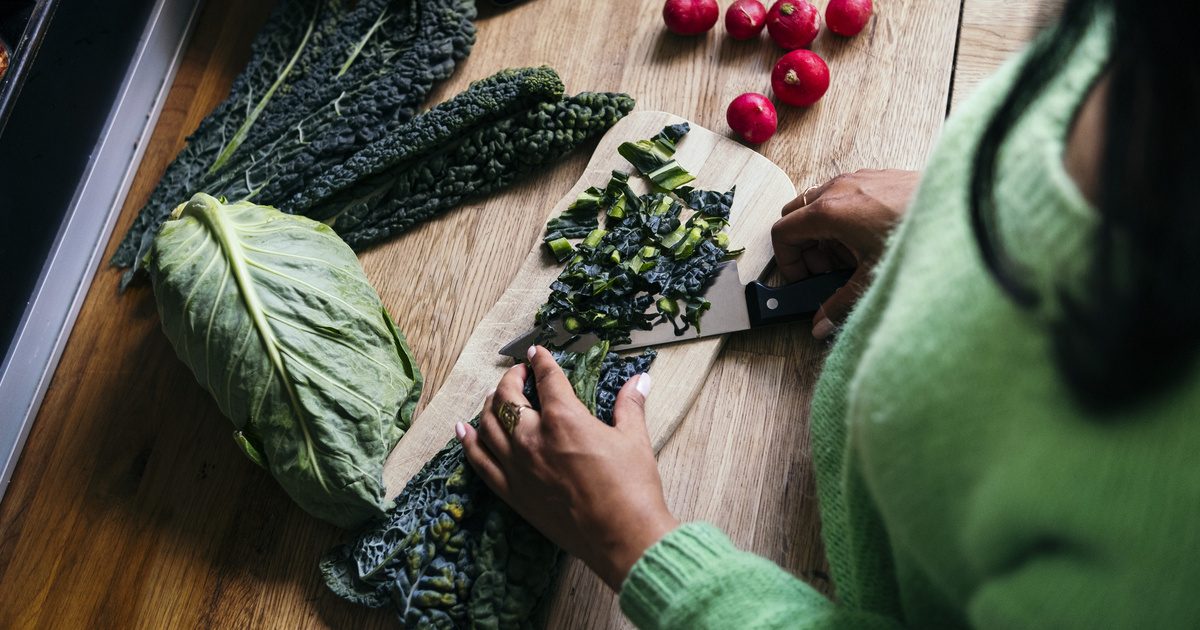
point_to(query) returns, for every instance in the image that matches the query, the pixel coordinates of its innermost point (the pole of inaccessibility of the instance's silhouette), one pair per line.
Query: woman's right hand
(841, 224)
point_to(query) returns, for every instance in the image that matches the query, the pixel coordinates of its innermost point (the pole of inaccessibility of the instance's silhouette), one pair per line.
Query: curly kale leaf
(326, 78)
(508, 126)
(383, 71)
(614, 373)
(490, 159)
(451, 554)
(349, 191)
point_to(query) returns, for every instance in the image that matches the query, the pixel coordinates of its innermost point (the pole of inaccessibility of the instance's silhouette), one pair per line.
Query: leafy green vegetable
(709, 203)
(670, 176)
(451, 554)
(650, 155)
(507, 126)
(560, 248)
(647, 255)
(576, 221)
(325, 79)
(275, 318)
(654, 157)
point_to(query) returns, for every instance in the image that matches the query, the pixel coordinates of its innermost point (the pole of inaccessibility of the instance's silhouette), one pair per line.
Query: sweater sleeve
(695, 578)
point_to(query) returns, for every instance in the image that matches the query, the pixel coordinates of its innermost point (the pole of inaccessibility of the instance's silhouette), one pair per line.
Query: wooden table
(131, 507)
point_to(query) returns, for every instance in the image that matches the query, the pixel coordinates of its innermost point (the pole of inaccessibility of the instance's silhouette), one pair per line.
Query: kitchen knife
(735, 306)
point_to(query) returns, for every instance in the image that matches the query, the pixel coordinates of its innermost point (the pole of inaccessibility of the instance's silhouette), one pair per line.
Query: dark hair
(1133, 326)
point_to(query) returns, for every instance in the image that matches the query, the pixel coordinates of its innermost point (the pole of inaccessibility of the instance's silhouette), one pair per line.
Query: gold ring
(509, 415)
(804, 195)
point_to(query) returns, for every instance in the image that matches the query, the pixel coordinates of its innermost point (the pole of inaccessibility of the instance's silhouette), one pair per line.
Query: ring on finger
(804, 195)
(509, 414)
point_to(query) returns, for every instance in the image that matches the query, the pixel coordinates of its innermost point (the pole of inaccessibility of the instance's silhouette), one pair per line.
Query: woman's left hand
(592, 489)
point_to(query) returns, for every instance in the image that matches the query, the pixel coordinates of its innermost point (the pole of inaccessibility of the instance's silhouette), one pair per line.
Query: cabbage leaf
(276, 319)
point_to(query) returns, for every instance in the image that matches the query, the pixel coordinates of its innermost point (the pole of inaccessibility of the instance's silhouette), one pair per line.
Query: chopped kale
(577, 221)
(671, 134)
(646, 255)
(654, 159)
(710, 203)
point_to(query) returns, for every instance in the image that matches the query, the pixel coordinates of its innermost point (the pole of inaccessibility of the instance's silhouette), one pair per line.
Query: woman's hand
(592, 489)
(841, 224)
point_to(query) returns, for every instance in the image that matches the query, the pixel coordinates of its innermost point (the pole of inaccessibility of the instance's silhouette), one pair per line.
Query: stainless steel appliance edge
(76, 254)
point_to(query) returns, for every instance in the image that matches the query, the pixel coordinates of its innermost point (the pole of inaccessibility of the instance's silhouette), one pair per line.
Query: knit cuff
(670, 568)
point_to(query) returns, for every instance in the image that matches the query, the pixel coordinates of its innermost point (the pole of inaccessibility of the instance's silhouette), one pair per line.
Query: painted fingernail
(530, 352)
(491, 393)
(460, 430)
(643, 384)
(822, 328)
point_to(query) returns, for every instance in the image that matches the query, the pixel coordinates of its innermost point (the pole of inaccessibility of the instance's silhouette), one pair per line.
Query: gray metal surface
(728, 314)
(79, 245)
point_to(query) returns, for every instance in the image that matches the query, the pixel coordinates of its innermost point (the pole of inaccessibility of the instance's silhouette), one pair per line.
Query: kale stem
(244, 130)
(362, 42)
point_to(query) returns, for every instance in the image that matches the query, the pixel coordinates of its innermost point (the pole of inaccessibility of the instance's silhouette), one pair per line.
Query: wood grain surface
(132, 508)
(991, 31)
(681, 369)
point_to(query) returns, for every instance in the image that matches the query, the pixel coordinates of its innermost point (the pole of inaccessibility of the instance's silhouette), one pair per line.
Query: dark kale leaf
(615, 372)
(399, 182)
(451, 554)
(325, 78)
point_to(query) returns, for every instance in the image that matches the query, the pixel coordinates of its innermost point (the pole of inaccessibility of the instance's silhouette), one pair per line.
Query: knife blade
(735, 307)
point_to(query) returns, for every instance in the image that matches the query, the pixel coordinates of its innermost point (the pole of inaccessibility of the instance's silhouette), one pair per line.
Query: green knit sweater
(959, 484)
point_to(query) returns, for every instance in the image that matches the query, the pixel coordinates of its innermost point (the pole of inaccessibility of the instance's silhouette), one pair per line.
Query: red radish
(752, 116)
(793, 23)
(745, 19)
(690, 17)
(800, 78)
(847, 17)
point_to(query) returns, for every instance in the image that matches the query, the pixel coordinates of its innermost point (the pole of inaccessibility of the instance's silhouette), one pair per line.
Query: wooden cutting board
(681, 369)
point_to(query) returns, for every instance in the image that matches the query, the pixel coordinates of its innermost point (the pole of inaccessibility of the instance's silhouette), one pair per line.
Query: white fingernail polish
(460, 430)
(491, 393)
(643, 384)
(530, 352)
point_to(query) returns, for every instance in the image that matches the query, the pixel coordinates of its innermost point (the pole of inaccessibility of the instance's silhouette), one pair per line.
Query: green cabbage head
(275, 318)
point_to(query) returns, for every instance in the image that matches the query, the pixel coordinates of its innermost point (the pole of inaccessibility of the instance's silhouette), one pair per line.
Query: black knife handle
(776, 305)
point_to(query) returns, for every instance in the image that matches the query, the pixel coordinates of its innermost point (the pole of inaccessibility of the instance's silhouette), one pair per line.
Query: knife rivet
(772, 303)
